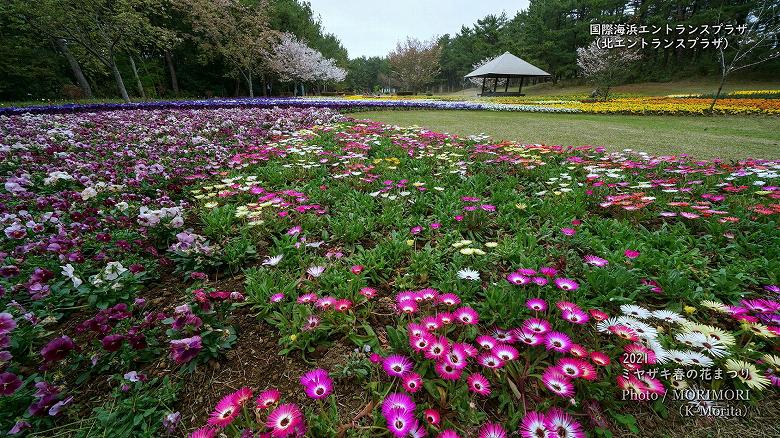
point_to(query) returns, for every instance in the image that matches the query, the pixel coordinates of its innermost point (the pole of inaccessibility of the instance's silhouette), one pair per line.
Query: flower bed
(404, 282)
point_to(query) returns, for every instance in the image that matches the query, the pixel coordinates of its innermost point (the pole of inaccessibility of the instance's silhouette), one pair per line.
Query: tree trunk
(249, 82)
(172, 71)
(120, 84)
(137, 79)
(717, 93)
(75, 68)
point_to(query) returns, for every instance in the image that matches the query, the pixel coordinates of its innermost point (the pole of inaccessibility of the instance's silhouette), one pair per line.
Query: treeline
(152, 48)
(549, 32)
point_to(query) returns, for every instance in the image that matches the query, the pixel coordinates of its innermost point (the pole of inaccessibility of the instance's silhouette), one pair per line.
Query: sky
(372, 28)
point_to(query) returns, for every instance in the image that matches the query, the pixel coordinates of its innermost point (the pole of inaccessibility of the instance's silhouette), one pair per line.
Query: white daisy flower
(273, 261)
(635, 311)
(468, 274)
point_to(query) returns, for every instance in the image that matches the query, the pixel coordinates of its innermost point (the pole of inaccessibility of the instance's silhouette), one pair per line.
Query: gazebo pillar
(521, 84)
(483, 85)
(506, 86)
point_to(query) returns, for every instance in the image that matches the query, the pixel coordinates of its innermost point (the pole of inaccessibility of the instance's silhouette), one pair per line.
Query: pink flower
(357, 269)
(317, 384)
(492, 430)
(566, 284)
(478, 384)
(432, 416)
(284, 420)
(533, 425)
(536, 304)
(396, 365)
(557, 383)
(267, 398)
(568, 231)
(631, 254)
(412, 382)
(227, 409)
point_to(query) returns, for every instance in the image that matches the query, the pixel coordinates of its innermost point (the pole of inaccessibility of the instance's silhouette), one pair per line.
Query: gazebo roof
(507, 65)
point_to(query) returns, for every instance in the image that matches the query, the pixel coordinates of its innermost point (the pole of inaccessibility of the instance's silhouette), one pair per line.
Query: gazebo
(506, 66)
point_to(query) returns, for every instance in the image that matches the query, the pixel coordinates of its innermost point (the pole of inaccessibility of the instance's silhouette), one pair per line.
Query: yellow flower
(467, 251)
(410, 242)
(689, 309)
(747, 373)
(491, 244)
(521, 206)
(293, 337)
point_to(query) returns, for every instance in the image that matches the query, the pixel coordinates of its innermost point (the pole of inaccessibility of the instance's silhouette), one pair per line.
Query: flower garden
(233, 268)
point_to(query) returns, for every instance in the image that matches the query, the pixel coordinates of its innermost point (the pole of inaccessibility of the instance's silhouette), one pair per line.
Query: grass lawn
(728, 137)
(684, 86)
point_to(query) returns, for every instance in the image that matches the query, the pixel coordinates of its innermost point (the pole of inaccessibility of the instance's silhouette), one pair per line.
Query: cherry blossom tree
(604, 66)
(294, 61)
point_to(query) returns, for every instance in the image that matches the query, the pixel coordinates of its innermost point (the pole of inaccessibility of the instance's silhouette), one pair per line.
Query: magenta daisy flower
(412, 382)
(566, 284)
(445, 318)
(447, 371)
(578, 350)
(566, 231)
(449, 299)
(457, 356)
(548, 271)
(518, 279)
(505, 352)
(226, 411)
(438, 348)
(631, 254)
(557, 341)
(478, 384)
(399, 421)
(624, 332)
(397, 400)
(489, 360)
(267, 398)
(598, 315)
(422, 343)
(204, 432)
(284, 420)
(492, 430)
(575, 316)
(570, 368)
(540, 281)
(557, 383)
(595, 261)
(528, 337)
(599, 358)
(307, 298)
(466, 315)
(396, 365)
(275, 298)
(486, 342)
(537, 326)
(533, 425)
(432, 416)
(368, 292)
(560, 424)
(317, 384)
(448, 433)
(408, 307)
(536, 304)
(416, 330)
(431, 322)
